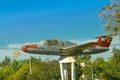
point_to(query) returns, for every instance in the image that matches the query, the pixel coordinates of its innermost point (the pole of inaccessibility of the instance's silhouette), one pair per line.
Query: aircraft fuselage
(56, 47)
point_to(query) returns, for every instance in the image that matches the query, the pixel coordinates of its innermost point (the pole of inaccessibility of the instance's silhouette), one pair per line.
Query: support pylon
(64, 60)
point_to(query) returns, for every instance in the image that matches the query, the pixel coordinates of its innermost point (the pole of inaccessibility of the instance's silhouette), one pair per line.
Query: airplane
(67, 48)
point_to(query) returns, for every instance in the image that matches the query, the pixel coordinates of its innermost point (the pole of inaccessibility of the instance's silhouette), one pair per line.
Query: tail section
(104, 41)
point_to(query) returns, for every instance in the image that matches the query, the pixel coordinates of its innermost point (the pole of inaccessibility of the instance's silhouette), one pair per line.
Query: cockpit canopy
(50, 42)
(56, 42)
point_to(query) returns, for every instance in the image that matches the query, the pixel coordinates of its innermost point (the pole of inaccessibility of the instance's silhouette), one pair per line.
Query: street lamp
(83, 65)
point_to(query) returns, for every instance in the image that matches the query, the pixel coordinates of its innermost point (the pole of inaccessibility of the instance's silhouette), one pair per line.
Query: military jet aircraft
(67, 48)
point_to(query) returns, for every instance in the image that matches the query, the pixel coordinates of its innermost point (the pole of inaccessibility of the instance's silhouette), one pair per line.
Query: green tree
(45, 70)
(6, 61)
(110, 16)
(99, 65)
(114, 64)
(21, 74)
(5, 72)
(79, 69)
(108, 69)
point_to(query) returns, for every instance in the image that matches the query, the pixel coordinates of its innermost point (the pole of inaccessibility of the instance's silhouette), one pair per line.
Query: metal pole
(61, 70)
(64, 60)
(72, 71)
(30, 66)
(92, 73)
(65, 71)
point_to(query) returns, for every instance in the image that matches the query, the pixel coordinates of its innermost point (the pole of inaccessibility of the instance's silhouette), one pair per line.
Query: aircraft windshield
(43, 43)
(52, 42)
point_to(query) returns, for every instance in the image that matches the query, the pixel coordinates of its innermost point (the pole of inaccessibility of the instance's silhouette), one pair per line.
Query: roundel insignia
(103, 39)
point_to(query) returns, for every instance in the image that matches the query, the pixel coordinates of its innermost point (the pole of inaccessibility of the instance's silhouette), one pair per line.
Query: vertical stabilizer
(104, 41)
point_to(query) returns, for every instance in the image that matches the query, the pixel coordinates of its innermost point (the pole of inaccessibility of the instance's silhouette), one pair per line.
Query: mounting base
(64, 60)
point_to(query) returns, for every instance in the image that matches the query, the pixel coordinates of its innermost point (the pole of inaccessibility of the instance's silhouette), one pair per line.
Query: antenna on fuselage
(74, 41)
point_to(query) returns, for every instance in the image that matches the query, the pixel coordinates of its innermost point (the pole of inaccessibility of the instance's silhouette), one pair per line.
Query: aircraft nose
(24, 48)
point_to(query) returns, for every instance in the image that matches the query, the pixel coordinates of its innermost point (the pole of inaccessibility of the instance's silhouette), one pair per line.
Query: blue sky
(24, 21)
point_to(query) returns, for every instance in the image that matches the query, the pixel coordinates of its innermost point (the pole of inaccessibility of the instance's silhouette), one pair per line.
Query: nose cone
(24, 48)
(28, 48)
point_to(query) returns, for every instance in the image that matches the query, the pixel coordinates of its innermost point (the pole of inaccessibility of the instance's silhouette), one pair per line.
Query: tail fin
(104, 41)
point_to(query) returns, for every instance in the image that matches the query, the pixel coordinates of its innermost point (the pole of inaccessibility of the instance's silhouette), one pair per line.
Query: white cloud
(83, 41)
(92, 40)
(15, 46)
(19, 45)
(10, 49)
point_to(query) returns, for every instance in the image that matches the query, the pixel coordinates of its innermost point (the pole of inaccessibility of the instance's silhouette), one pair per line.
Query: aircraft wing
(81, 47)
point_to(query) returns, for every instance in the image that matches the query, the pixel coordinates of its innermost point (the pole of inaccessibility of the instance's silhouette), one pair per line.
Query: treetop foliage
(110, 16)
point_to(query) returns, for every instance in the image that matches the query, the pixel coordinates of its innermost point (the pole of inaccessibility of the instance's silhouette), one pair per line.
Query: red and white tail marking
(104, 41)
